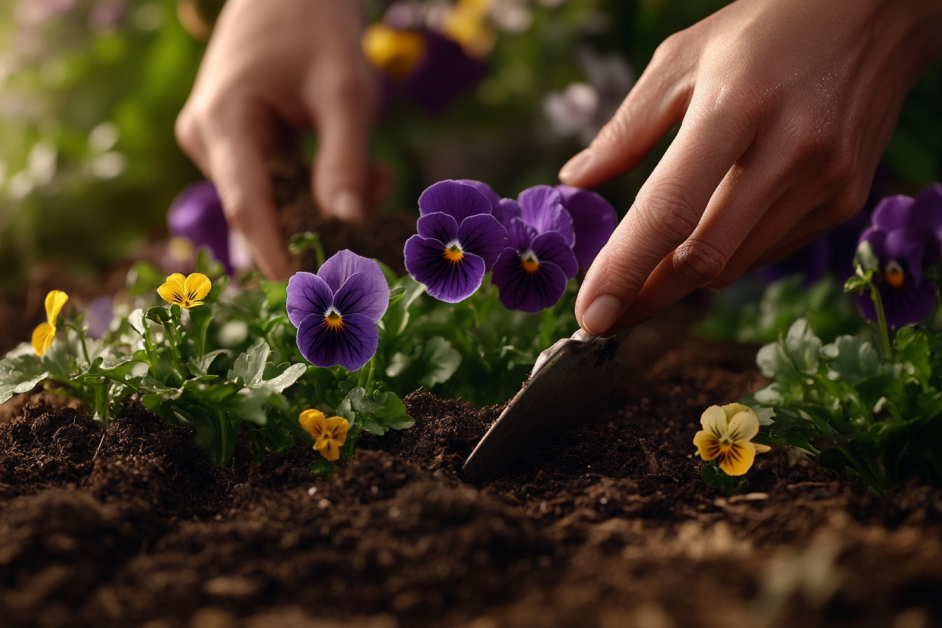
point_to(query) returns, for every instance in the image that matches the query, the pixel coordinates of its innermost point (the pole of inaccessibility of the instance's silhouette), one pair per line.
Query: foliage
(866, 415)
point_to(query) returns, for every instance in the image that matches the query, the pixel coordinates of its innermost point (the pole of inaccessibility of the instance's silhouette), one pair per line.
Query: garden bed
(611, 526)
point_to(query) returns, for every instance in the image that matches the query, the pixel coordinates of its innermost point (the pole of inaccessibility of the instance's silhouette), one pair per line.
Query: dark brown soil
(610, 526)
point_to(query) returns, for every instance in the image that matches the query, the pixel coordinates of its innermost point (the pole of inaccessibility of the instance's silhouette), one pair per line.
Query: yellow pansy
(467, 24)
(186, 292)
(45, 333)
(725, 437)
(392, 52)
(329, 434)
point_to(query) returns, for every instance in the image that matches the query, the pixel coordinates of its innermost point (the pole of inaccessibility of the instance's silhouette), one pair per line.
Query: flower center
(529, 262)
(333, 320)
(453, 253)
(894, 275)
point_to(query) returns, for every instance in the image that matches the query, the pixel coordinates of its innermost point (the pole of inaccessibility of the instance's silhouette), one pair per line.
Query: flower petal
(902, 306)
(527, 291)
(172, 290)
(307, 294)
(445, 280)
(363, 293)
(328, 447)
(732, 409)
(894, 212)
(197, 286)
(520, 235)
(482, 236)
(593, 220)
(350, 346)
(438, 226)
(714, 421)
(484, 189)
(54, 302)
(761, 449)
(738, 458)
(42, 339)
(338, 427)
(455, 199)
(541, 207)
(507, 210)
(908, 247)
(743, 427)
(551, 247)
(196, 214)
(313, 422)
(707, 444)
(344, 264)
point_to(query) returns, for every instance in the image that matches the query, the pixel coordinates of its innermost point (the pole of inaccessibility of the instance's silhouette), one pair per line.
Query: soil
(610, 526)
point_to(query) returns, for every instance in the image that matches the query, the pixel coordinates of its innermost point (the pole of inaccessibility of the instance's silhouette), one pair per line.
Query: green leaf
(803, 347)
(855, 360)
(378, 412)
(250, 404)
(775, 363)
(250, 366)
(856, 283)
(143, 278)
(201, 366)
(159, 315)
(288, 377)
(19, 375)
(441, 359)
(865, 258)
(398, 365)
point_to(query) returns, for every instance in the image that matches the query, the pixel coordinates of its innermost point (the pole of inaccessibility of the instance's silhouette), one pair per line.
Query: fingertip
(575, 169)
(347, 206)
(601, 314)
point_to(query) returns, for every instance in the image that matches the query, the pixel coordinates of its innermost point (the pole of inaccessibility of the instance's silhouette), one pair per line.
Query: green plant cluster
(233, 361)
(864, 414)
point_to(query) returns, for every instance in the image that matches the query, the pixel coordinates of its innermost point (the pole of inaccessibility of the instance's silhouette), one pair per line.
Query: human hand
(296, 61)
(786, 107)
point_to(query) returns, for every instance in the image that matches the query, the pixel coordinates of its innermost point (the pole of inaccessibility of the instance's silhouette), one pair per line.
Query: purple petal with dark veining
(593, 220)
(363, 293)
(484, 189)
(351, 346)
(455, 199)
(344, 264)
(551, 247)
(906, 305)
(445, 280)
(438, 226)
(523, 291)
(307, 294)
(519, 234)
(541, 207)
(907, 248)
(507, 210)
(482, 236)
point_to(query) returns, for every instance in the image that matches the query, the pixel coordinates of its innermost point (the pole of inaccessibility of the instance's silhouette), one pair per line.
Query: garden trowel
(570, 383)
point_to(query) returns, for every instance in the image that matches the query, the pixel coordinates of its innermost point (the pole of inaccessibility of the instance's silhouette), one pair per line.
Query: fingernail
(601, 314)
(576, 167)
(347, 207)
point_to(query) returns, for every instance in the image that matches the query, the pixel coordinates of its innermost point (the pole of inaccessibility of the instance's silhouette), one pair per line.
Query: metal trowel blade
(571, 382)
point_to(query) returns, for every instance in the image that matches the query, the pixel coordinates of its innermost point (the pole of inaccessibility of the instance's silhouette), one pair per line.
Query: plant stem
(881, 322)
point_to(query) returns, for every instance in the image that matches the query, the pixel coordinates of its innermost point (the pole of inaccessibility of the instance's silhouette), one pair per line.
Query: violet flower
(337, 309)
(906, 237)
(444, 73)
(593, 220)
(196, 214)
(98, 316)
(458, 240)
(531, 273)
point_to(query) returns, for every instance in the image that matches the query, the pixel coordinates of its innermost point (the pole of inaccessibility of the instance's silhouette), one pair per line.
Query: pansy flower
(45, 333)
(593, 221)
(905, 237)
(337, 309)
(726, 435)
(458, 241)
(197, 215)
(392, 51)
(329, 434)
(187, 292)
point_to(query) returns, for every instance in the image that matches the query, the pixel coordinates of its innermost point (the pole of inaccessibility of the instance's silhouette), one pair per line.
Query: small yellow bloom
(45, 333)
(391, 51)
(328, 434)
(725, 437)
(186, 293)
(467, 24)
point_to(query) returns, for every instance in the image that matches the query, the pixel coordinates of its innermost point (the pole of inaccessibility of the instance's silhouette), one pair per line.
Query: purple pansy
(551, 232)
(444, 73)
(532, 271)
(196, 214)
(458, 240)
(98, 316)
(906, 237)
(337, 309)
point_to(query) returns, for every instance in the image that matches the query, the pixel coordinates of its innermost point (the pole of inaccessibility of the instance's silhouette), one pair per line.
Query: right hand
(297, 61)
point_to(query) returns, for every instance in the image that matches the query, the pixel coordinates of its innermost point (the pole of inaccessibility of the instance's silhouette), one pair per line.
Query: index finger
(665, 213)
(236, 147)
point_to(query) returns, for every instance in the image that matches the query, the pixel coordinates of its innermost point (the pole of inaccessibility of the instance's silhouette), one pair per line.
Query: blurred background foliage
(90, 89)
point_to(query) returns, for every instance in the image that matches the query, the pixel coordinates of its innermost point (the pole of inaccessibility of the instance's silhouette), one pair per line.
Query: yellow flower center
(453, 253)
(530, 263)
(894, 275)
(333, 320)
